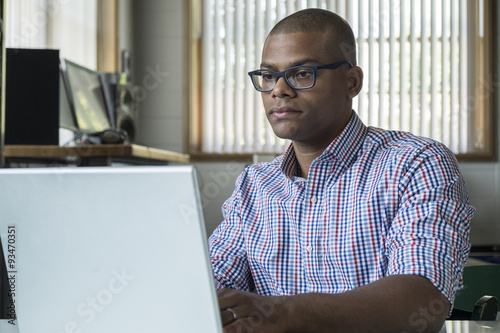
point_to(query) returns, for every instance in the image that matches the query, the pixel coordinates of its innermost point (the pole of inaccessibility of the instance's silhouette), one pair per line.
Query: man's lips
(283, 112)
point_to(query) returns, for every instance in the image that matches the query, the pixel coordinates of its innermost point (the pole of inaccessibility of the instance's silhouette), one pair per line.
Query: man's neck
(305, 155)
(308, 150)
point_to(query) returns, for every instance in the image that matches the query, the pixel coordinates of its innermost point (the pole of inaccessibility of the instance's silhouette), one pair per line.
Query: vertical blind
(26, 24)
(414, 55)
(69, 26)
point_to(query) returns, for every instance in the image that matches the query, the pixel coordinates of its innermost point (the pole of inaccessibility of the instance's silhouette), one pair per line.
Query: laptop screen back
(108, 250)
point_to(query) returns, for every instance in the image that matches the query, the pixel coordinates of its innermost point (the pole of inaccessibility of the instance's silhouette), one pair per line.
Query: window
(427, 65)
(78, 28)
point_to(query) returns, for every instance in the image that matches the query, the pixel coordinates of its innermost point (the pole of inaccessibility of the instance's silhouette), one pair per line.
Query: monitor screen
(87, 97)
(66, 115)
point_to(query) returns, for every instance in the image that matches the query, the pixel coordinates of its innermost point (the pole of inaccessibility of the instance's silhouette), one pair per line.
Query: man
(353, 229)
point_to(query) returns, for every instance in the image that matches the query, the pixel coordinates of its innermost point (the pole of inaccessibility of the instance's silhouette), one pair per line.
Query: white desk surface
(451, 326)
(457, 326)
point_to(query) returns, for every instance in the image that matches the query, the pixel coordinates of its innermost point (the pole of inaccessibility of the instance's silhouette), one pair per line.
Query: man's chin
(283, 135)
(282, 131)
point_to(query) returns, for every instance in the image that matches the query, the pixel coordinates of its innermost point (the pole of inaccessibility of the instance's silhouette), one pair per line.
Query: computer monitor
(87, 98)
(66, 114)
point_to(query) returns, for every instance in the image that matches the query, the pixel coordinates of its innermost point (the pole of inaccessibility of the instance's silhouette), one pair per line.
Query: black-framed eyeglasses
(297, 77)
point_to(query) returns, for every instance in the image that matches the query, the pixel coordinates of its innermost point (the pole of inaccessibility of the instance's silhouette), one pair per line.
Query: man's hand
(245, 312)
(398, 303)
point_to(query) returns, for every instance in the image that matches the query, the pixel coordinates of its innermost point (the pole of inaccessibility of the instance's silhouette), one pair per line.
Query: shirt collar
(344, 147)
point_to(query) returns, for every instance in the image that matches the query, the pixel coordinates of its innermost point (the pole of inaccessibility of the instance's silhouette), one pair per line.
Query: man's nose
(281, 88)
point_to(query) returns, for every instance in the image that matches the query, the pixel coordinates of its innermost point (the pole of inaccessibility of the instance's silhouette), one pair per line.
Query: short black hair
(340, 40)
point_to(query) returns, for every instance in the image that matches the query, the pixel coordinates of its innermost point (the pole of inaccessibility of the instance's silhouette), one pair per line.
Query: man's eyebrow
(300, 62)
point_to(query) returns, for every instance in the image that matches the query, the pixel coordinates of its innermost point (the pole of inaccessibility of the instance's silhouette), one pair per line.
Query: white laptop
(112, 249)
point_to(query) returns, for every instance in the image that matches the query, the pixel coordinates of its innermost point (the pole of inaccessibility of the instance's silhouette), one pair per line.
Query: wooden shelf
(131, 152)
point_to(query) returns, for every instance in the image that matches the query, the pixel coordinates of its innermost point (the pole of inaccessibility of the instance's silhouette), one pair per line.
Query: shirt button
(309, 248)
(314, 199)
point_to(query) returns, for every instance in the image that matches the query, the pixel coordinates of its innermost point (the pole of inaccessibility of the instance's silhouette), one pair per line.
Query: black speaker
(121, 103)
(32, 97)
(126, 109)
(126, 104)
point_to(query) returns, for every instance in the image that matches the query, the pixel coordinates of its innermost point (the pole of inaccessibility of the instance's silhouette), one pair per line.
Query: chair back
(479, 282)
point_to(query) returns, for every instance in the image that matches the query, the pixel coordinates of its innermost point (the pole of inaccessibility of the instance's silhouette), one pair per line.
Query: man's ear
(354, 81)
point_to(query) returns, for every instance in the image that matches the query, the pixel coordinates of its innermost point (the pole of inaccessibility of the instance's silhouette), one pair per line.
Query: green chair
(478, 300)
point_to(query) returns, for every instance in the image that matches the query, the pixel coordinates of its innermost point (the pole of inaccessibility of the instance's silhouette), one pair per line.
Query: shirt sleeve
(429, 235)
(228, 247)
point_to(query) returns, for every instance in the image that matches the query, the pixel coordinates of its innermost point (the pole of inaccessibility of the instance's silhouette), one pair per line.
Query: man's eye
(267, 76)
(303, 74)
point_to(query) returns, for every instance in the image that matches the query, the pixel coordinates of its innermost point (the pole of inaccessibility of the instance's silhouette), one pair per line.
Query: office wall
(158, 62)
(159, 31)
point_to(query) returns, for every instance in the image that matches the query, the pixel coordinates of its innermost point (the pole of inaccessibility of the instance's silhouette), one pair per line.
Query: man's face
(315, 116)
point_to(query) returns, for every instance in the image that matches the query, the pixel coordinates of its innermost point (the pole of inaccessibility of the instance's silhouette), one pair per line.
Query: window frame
(108, 49)
(486, 69)
(485, 73)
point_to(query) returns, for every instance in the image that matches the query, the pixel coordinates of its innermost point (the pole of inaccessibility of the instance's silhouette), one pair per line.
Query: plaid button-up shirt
(375, 203)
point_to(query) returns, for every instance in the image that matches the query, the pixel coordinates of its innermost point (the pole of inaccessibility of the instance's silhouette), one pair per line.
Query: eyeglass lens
(301, 77)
